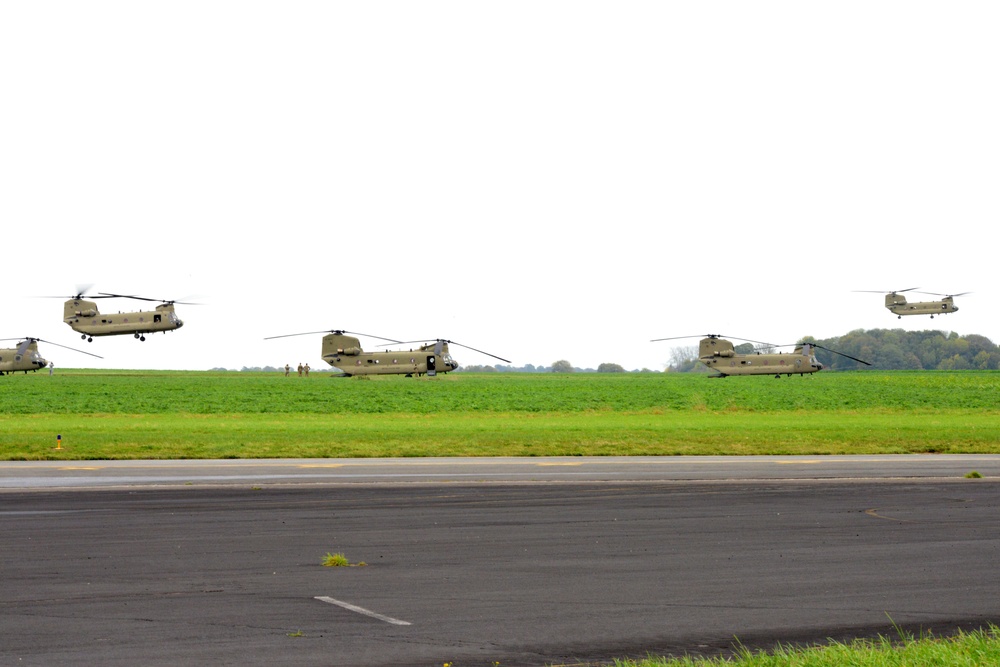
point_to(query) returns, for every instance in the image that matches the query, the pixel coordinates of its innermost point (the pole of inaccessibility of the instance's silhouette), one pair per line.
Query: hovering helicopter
(25, 356)
(344, 353)
(83, 316)
(896, 303)
(719, 355)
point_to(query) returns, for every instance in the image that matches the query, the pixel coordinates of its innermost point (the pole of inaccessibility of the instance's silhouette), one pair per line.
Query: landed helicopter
(25, 356)
(719, 355)
(344, 353)
(897, 304)
(82, 316)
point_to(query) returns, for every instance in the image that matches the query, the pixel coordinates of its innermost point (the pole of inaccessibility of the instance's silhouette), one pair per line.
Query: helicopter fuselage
(84, 317)
(22, 358)
(345, 354)
(897, 305)
(718, 355)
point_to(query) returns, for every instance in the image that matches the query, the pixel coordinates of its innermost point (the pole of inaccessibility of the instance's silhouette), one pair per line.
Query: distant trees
(562, 366)
(885, 349)
(610, 368)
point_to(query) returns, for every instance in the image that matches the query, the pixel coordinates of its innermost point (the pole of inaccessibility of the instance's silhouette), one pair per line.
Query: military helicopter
(896, 303)
(344, 353)
(25, 356)
(82, 316)
(719, 355)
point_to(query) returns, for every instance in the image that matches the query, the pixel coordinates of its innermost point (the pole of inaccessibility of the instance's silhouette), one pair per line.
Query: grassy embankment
(162, 414)
(966, 649)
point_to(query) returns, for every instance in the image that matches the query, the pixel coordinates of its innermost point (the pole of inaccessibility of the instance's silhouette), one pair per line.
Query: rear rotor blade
(27, 340)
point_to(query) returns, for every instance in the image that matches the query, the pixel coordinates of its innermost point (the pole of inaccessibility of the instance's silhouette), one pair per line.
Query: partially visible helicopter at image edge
(719, 355)
(897, 304)
(344, 353)
(25, 357)
(83, 316)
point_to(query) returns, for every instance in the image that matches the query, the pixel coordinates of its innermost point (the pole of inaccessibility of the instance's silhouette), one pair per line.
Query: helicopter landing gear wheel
(83, 336)
(90, 340)
(142, 338)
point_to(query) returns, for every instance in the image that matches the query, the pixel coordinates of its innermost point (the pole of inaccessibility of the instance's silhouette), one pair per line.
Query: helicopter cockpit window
(156, 317)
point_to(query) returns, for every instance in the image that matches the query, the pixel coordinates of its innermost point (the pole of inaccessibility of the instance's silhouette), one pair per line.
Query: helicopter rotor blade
(451, 342)
(439, 341)
(945, 295)
(107, 295)
(27, 340)
(887, 291)
(860, 361)
(716, 336)
(333, 331)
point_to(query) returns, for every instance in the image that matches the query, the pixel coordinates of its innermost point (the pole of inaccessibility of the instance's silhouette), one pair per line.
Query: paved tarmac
(476, 562)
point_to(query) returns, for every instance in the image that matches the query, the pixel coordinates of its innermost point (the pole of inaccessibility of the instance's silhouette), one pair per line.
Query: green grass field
(979, 648)
(164, 414)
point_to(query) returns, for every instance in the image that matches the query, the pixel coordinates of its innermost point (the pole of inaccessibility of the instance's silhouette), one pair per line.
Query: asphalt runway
(516, 562)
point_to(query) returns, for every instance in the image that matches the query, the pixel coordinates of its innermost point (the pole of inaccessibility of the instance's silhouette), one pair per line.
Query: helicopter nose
(180, 323)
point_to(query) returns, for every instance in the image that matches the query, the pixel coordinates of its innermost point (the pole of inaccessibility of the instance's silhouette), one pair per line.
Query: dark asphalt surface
(477, 572)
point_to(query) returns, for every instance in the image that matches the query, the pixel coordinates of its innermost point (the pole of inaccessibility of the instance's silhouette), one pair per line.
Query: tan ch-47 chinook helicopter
(82, 316)
(897, 304)
(344, 353)
(25, 356)
(719, 355)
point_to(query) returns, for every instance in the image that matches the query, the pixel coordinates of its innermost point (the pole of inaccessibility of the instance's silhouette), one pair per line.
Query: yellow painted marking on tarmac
(320, 465)
(81, 468)
(795, 463)
(554, 464)
(874, 513)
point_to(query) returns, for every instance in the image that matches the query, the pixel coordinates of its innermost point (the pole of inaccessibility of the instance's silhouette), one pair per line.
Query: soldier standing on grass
(287, 368)
(300, 370)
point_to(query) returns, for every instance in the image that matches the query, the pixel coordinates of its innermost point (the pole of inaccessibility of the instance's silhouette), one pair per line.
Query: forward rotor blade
(945, 295)
(48, 342)
(107, 295)
(860, 361)
(451, 342)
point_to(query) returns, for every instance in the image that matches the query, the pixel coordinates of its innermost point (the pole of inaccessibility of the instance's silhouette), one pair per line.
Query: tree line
(885, 349)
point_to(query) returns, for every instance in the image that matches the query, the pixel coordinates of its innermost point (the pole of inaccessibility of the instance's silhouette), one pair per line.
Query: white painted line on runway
(361, 610)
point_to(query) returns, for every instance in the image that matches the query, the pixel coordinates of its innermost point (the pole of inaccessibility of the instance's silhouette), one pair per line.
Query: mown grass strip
(115, 436)
(119, 415)
(978, 648)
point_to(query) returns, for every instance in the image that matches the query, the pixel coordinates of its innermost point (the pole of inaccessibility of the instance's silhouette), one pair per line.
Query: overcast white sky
(540, 180)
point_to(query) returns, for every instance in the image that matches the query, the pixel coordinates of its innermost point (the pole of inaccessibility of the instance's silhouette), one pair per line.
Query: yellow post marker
(58, 442)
